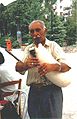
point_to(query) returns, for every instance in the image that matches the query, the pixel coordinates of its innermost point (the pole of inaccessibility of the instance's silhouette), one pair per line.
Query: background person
(8, 73)
(45, 99)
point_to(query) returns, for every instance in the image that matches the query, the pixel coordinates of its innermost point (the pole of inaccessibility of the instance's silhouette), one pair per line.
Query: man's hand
(42, 69)
(45, 68)
(32, 62)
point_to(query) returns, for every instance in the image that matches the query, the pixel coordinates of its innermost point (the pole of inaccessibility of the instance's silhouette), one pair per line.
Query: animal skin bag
(61, 79)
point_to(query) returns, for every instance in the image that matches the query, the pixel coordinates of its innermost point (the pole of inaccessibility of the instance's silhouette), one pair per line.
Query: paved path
(70, 92)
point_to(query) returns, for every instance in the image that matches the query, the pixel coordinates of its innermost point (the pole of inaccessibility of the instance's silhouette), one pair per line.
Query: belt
(40, 85)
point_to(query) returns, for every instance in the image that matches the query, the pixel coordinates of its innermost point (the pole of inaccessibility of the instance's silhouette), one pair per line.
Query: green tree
(58, 31)
(2, 20)
(71, 26)
(20, 13)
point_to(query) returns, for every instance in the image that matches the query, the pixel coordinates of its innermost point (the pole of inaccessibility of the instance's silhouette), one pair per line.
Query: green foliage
(2, 42)
(71, 26)
(58, 31)
(18, 15)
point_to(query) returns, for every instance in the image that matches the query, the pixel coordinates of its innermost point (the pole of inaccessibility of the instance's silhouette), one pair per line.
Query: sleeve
(59, 54)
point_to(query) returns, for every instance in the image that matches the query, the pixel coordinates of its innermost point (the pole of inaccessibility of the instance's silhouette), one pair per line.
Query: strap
(12, 55)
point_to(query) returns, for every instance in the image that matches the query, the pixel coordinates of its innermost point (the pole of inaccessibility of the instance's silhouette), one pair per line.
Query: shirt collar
(47, 43)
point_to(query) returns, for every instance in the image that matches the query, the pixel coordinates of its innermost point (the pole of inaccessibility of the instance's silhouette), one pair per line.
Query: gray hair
(39, 21)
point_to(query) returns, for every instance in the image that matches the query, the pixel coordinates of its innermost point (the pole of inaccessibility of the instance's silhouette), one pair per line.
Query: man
(45, 99)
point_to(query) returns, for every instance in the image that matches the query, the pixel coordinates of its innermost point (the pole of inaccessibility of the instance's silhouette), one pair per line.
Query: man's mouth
(37, 40)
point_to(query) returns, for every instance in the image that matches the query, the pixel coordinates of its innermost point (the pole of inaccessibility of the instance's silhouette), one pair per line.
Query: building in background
(63, 8)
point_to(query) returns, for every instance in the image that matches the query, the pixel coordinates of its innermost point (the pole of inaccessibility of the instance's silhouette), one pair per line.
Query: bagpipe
(61, 79)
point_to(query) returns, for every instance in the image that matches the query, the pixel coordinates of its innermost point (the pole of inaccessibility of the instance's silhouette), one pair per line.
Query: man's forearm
(60, 68)
(20, 66)
(64, 67)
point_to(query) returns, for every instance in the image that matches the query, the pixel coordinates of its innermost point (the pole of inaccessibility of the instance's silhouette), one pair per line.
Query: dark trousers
(45, 102)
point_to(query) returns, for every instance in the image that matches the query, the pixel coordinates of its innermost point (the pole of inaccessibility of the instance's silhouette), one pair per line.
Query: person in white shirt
(8, 73)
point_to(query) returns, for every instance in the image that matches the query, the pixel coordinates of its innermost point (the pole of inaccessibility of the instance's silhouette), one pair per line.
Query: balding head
(38, 21)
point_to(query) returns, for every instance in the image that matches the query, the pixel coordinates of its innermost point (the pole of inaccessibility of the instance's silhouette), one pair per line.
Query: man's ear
(45, 30)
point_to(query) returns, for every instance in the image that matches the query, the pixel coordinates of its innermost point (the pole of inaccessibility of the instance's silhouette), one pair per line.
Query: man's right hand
(32, 62)
(27, 64)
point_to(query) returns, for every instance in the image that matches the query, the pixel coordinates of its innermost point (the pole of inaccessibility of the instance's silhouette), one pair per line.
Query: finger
(42, 72)
(42, 67)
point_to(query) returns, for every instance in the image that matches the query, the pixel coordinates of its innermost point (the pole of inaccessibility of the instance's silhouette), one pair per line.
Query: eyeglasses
(35, 30)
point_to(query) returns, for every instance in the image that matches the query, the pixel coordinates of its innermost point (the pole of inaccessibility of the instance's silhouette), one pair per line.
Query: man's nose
(35, 32)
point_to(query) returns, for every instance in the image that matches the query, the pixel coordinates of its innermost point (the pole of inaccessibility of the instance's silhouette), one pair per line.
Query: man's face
(36, 29)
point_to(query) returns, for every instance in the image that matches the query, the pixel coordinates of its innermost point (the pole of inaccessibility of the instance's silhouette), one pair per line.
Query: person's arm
(64, 67)
(60, 56)
(30, 62)
(20, 66)
(45, 68)
(60, 68)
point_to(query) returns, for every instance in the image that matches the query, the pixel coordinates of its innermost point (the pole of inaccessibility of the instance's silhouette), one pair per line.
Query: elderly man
(45, 99)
